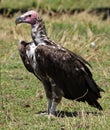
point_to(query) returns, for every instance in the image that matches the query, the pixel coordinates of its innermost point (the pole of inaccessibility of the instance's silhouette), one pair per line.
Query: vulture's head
(29, 17)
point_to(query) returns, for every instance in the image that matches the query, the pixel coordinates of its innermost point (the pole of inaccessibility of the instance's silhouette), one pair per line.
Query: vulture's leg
(54, 96)
(57, 96)
(48, 90)
(53, 108)
(49, 105)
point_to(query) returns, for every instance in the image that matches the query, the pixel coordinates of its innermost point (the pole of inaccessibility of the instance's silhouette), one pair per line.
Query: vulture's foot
(44, 113)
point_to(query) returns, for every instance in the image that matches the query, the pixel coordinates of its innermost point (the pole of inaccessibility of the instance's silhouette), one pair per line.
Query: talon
(43, 113)
(51, 116)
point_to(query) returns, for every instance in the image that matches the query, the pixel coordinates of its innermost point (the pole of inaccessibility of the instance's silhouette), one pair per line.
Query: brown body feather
(68, 71)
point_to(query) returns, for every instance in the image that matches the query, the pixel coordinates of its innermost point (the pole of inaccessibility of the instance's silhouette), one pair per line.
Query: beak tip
(18, 20)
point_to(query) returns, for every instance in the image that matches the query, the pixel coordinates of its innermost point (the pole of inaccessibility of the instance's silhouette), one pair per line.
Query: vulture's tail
(93, 93)
(94, 104)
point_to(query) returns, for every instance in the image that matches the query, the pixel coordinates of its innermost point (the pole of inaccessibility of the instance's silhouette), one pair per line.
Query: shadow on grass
(63, 114)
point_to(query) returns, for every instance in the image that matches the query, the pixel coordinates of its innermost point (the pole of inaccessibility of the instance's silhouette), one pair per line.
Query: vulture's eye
(29, 15)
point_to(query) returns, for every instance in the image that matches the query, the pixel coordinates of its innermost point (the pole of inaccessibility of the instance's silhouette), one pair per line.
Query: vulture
(62, 72)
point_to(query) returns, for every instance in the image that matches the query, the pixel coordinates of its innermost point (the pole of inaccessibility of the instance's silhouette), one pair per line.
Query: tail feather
(95, 104)
(91, 99)
(93, 93)
(94, 87)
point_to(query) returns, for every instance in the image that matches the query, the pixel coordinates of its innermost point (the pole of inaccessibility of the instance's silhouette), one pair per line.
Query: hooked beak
(19, 20)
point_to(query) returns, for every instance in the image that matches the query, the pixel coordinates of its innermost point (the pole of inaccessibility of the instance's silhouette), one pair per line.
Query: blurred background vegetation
(58, 6)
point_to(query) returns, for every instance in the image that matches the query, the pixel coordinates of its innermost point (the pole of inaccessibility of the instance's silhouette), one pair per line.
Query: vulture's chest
(31, 55)
(30, 52)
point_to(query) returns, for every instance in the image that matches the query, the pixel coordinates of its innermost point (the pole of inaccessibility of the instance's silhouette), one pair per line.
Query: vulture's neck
(39, 32)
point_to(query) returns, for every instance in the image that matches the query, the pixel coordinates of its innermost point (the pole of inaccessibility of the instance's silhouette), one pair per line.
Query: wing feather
(70, 73)
(22, 51)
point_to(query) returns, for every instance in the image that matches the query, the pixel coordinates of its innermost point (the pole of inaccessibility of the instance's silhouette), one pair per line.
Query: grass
(17, 5)
(23, 95)
(57, 5)
(60, 5)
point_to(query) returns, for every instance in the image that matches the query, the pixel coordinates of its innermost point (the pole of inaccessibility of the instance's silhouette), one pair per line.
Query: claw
(51, 116)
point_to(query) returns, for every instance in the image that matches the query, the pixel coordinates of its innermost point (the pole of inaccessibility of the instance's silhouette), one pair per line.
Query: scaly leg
(49, 106)
(53, 108)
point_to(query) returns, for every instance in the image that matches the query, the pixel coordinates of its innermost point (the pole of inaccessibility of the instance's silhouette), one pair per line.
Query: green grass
(57, 5)
(73, 4)
(23, 95)
(23, 4)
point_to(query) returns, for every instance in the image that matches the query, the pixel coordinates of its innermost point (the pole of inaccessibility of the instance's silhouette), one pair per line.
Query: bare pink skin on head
(28, 17)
